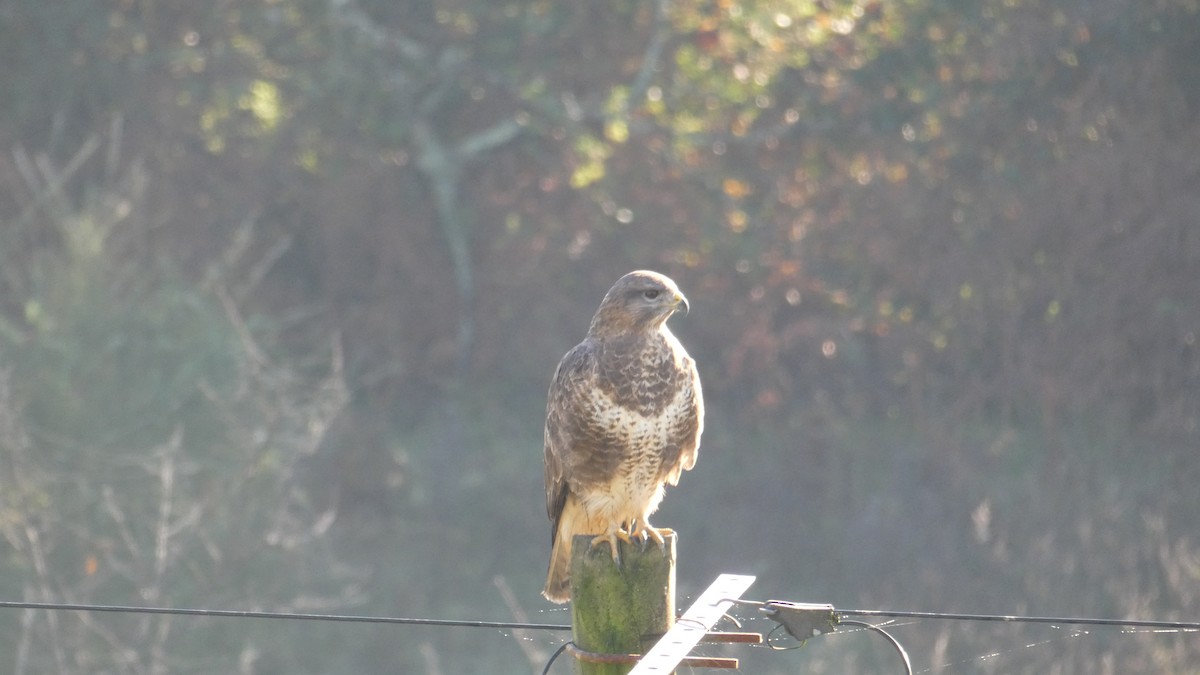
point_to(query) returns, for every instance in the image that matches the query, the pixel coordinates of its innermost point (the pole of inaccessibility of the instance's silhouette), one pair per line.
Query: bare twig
(108, 498)
(249, 344)
(433, 665)
(50, 185)
(349, 14)
(22, 660)
(259, 270)
(533, 653)
(42, 573)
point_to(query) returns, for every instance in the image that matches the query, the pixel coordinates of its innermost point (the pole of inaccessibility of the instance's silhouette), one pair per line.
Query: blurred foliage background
(282, 284)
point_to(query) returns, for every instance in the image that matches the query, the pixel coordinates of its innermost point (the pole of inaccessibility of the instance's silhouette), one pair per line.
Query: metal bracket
(801, 620)
(693, 625)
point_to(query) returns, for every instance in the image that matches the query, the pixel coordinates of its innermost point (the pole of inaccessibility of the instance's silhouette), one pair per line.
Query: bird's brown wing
(691, 445)
(687, 426)
(574, 376)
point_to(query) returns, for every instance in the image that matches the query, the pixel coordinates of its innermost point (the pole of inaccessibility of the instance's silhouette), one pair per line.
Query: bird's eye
(650, 294)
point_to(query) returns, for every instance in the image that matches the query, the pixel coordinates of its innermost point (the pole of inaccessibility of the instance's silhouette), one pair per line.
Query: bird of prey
(623, 419)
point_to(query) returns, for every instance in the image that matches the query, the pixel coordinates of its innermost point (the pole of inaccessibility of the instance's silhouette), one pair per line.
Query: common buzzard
(623, 419)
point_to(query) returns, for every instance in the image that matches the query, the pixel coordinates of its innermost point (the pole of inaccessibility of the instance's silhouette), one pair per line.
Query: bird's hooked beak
(681, 303)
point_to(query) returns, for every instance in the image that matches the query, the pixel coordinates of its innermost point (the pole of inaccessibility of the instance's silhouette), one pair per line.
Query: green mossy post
(613, 608)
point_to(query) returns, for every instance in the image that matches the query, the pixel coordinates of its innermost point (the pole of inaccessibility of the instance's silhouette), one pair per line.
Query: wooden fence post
(613, 608)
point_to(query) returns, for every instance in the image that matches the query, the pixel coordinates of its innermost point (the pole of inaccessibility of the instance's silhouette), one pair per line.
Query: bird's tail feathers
(572, 520)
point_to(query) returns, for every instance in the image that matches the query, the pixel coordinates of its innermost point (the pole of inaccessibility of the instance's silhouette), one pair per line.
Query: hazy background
(283, 282)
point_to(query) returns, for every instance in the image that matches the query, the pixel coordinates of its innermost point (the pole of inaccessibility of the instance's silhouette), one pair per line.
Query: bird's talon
(609, 538)
(645, 532)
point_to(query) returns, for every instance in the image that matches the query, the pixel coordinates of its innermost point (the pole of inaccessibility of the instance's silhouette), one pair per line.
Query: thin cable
(247, 614)
(1079, 621)
(554, 656)
(250, 614)
(895, 643)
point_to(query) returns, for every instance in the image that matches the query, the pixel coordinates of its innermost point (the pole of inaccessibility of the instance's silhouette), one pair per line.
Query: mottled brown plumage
(623, 419)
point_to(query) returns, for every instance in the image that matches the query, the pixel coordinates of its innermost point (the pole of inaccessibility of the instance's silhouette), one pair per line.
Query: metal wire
(894, 642)
(1187, 626)
(1078, 621)
(250, 614)
(555, 655)
(885, 613)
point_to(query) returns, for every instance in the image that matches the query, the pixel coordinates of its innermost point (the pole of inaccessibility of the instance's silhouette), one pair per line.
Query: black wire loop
(894, 642)
(554, 657)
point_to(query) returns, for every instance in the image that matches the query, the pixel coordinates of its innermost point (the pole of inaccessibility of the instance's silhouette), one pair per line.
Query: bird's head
(639, 300)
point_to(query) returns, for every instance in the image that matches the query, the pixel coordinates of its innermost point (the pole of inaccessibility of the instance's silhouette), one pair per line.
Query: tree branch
(651, 57)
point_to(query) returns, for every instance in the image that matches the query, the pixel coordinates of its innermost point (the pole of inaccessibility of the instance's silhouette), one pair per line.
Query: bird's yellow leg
(642, 529)
(610, 536)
